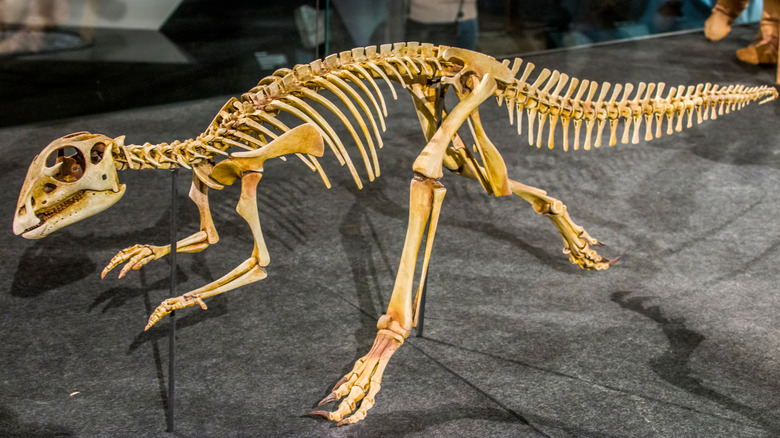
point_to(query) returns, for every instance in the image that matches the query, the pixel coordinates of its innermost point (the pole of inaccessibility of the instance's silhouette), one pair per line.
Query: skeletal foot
(172, 304)
(363, 382)
(136, 257)
(581, 254)
(577, 244)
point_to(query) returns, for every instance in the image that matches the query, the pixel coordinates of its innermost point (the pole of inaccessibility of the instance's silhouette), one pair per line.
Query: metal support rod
(172, 316)
(423, 292)
(327, 27)
(317, 30)
(421, 318)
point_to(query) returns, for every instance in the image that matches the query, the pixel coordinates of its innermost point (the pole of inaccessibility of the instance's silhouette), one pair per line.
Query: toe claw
(613, 261)
(339, 383)
(323, 414)
(598, 243)
(331, 397)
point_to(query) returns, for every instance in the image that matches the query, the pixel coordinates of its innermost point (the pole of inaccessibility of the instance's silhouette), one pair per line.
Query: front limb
(246, 166)
(249, 271)
(139, 255)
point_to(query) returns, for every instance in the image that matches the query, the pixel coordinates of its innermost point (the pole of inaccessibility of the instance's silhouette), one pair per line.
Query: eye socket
(97, 153)
(73, 164)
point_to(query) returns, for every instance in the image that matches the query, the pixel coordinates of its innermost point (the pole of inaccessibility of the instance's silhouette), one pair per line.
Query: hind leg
(577, 242)
(426, 195)
(363, 382)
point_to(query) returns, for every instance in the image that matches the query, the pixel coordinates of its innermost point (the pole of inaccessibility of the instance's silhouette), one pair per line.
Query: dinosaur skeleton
(61, 189)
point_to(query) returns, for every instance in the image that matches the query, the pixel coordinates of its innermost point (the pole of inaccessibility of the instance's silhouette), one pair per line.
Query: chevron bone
(646, 105)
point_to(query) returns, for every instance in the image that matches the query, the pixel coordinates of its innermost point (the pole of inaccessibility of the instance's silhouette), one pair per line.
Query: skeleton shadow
(674, 365)
(741, 147)
(217, 308)
(12, 427)
(62, 267)
(403, 423)
(359, 241)
(117, 297)
(374, 197)
(66, 256)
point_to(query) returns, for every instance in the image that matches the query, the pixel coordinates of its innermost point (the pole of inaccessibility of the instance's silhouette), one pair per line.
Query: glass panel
(62, 58)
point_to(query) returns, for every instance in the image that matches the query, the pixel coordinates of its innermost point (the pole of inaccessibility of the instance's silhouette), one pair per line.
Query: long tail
(543, 100)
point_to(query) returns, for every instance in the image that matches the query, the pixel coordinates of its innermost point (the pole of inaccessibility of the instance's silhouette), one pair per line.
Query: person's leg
(764, 50)
(434, 33)
(718, 25)
(467, 34)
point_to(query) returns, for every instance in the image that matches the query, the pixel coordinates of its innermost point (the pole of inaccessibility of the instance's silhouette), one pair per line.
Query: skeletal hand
(136, 257)
(172, 304)
(362, 383)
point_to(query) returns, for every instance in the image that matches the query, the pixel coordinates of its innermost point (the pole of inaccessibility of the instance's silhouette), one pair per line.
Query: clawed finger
(118, 259)
(172, 304)
(340, 382)
(136, 257)
(331, 397)
(348, 404)
(130, 265)
(158, 313)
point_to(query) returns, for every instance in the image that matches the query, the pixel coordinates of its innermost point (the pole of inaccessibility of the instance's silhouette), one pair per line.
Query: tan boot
(718, 25)
(764, 50)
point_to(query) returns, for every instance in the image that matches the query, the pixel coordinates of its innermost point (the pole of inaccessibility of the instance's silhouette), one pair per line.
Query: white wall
(115, 14)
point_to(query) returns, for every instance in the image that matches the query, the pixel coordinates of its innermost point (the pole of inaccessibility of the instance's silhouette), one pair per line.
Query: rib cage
(351, 76)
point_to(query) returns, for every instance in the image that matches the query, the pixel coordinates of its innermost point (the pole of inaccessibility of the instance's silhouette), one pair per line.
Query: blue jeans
(464, 34)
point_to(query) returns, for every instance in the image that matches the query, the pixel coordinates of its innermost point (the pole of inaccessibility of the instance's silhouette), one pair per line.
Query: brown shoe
(718, 25)
(761, 53)
(764, 50)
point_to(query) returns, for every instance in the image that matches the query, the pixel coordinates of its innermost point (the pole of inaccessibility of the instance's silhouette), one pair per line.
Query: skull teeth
(44, 215)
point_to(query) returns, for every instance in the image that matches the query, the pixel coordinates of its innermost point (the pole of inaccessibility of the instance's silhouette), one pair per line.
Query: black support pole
(421, 317)
(172, 316)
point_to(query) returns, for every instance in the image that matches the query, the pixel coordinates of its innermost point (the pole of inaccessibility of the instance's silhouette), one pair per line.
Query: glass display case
(130, 54)
(677, 339)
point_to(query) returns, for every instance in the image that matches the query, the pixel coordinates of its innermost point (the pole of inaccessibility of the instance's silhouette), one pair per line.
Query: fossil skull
(73, 178)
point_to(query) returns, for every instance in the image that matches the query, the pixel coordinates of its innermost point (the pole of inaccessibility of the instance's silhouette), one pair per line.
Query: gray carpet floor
(679, 339)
